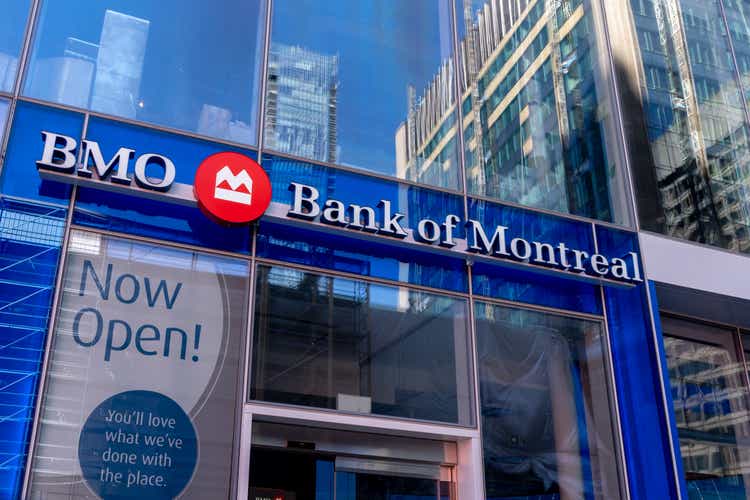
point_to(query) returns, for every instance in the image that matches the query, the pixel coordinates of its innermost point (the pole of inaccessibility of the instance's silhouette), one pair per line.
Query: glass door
(340, 465)
(300, 475)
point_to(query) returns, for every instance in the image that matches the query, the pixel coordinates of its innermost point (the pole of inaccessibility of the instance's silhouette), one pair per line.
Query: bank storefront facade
(361, 250)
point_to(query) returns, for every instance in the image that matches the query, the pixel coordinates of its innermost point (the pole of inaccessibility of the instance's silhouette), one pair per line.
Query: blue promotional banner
(138, 443)
(143, 373)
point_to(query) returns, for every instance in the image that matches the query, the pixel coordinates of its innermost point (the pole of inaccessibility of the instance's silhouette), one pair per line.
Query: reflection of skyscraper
(531, 124)
(425, 141)
(119, 64)
(104, 77)
(696, 126)
(301, 103)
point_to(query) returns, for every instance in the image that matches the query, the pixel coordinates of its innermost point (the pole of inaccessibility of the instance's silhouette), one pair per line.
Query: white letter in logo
(305, 197)
(54, 157)
(234, 181)
(145, 181)
(121, 159)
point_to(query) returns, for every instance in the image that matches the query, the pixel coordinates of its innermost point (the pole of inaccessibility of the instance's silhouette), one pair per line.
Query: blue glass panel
(180, 63)
(544, 408)
(360, 347)
(368, 84)
(533, 226)
(535, 288)
(416, 203)
(118, 212)
(12, 26)
(30, 239)
(642, 405)
(346, 486)
(339, 253)
(19, 175)
(156, 219)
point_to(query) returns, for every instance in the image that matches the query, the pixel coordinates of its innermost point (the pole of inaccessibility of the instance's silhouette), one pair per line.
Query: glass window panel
(178, 63)
(710, 396)
(12, 28)
(546, 422)
(355, 346)
(535, 122)
(368, 84)
(695, 110)
(30, 239)
(147, 347)
(355, 486)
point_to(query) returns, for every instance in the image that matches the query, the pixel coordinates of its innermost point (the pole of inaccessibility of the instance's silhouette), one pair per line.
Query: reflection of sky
(383, 46)
(3, 114)
(196, 53)
(476, 6)
(12, 25)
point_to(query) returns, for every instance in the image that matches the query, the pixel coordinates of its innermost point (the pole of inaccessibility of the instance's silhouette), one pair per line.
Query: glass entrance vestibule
(340, 465)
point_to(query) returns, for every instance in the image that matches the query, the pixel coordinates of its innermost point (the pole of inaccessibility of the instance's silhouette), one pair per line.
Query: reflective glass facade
(346, 85)
(693, 86)
(162, 63)
(12, 27)
(477, 276)
(535, 108)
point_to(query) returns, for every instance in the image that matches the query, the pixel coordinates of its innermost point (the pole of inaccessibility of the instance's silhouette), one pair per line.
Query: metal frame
(49, 341)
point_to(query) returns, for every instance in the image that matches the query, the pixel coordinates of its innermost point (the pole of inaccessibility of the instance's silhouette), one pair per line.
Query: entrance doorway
(340, 465)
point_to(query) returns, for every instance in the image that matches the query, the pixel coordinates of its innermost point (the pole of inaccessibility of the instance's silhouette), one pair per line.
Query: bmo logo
(232, 188)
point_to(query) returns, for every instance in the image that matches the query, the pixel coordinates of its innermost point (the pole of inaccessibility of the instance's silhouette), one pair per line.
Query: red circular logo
(232, 188)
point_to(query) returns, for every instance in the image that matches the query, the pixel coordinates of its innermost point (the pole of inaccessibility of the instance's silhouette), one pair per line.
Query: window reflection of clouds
(178, 64)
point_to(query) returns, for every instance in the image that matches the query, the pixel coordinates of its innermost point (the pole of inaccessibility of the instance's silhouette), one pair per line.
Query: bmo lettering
(60, 155)
(90, 327)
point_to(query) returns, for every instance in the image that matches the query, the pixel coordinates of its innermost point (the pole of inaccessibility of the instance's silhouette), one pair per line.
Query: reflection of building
(699, 137)
(425, 142)
(710, 408)
(301, 103)
(119, 64)
(530, 117)
(104, 77)
(531, 127)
